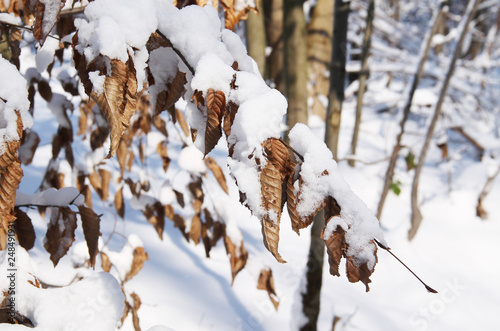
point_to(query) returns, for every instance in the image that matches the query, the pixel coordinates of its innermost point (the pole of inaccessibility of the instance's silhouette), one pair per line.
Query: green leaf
(410, 161)
(396, 187)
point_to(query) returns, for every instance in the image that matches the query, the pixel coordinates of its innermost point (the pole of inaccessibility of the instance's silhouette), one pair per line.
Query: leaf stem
(427, 287)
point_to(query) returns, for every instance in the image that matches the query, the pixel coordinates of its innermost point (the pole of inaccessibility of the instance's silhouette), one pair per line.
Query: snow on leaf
(60, 233)
(217, 171)
(91, 231)
(46, 16)
(216, 105)
(140, 256)
(335, 245)
(360, 272)
(266, 283)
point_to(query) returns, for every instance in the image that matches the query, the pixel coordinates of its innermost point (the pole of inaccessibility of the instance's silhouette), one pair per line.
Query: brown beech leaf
(231, 110)
(335, 245)
(217, 171)
(238, 256)
(29, 144)
(266, 283)
(119, 204)
(232, 16)
(91, 230)
(45, 90)
(216, 106)
(172, 93)
(180, 223)
(291, 203)
(45, 18)
(105, 262)
(156, 216)
(271, 236)
(161, 149)
(10, 177)
(135, 309)
(118, 100)
(60, 233)
(105, 179)
(24, 230)
(121, 155)
(362, 272)
(195, 230)
(182, 122)
(180, 198)
(140, 256)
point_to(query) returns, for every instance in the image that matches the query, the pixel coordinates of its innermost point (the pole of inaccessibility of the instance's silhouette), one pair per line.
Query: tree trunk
(424, 53)
(416, 215)
(337, 75)
(294, 33)
(319, 54)
(273, 16)
(480, 211)
(256, 39)
(363, 76)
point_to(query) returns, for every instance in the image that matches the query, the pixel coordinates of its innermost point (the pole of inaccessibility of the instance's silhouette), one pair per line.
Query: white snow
(51, 197)
(45, 55)
(191, 160)
(122, 261)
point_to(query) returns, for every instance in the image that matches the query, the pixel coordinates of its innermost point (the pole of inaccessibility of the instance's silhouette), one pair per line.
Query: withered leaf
(105, 179)
(156, 216)
(105, 262)
(356, 273)
(91, 230)
(10, 177)
(180, 198)
(118, 100)
(266, 283)
(45, 23)
(216, 106)
(238, 256)
(60, 233)
(180, 223)
(118, 202)
(195, 230)
(231, 110)
(172, 93)
(45, 90)
(161, 149)
(140, 256)
(217, 171)
(28, 147)
(335, 246)
(232, 16)
(24, 230)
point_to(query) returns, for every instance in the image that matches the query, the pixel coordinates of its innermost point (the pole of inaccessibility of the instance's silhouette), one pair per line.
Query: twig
(26, 28)
(427, 287)
(179, 54)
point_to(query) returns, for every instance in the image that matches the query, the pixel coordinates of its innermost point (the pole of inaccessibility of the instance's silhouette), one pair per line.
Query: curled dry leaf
(60, 233)
(216, 106)
(10, 177)
(238, 256)
(119, 204)
(105, 262)
(118, 100)
(91, 230)
(233, 16)
(231, 110)
(360, 272)
(217, 171)
(335, 246)
(266, 283)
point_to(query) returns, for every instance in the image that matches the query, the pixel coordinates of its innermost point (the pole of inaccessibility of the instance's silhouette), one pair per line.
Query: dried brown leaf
(119, 204)
(161, 149)
(238, 256)
(119, 99)
(105, 179)
(140, 256)
(45, 90)
(91, 231)
(156, 216)
(266, 283)
(10, 177)
(105, 262)
(231, 110)
(217, 171)
(182, 122)
(60, 233)
(360, 272)
(336, 246)
(180, 198)
(29, 144)
(195, 230)
(24, 230)
(171, 94)
(216, 106)
(45, 23)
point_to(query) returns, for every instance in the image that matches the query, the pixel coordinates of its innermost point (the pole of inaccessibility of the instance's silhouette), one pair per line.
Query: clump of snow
(13, 102)
(97, 81)
(320, 179)
(122, 261)
(51, 197)
(163, 65)
(45, 55)
(167, 194)
(8, 18)
(94, 303)
(191, 160)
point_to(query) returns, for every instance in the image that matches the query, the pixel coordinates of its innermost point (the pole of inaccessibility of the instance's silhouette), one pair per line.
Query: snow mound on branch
(318, 184)
(13, 101)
